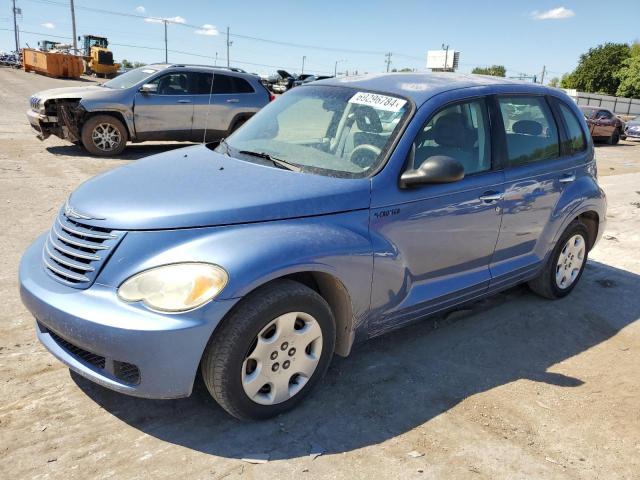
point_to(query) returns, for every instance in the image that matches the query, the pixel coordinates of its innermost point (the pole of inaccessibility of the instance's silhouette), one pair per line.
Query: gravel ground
(515, 387)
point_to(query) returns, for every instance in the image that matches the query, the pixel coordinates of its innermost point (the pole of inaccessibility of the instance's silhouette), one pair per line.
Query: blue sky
(522, 35)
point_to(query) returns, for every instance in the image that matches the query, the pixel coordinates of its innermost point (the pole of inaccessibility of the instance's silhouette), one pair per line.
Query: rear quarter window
(576, 141)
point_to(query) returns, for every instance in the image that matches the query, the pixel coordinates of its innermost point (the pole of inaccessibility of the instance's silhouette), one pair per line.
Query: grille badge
(71, 212)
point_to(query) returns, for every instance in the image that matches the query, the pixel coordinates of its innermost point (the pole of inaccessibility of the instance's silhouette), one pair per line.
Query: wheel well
(241, 117)
(592, 221)
(336, 295)
(117, 115)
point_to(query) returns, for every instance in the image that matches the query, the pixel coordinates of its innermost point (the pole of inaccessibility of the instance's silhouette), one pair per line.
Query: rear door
(232, 99)
(166, 114)
(536, 173)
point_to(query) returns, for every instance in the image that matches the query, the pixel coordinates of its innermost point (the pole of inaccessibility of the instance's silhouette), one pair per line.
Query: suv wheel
(565, 264)
(104, 135)
(270, 352)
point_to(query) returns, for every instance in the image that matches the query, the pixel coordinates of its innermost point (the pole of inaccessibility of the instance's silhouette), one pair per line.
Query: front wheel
(565, 264)
(270, 352)
(104, 135)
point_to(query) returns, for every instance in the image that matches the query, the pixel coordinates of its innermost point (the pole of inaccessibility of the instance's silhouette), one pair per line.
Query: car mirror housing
(435, 169)
(149, 88)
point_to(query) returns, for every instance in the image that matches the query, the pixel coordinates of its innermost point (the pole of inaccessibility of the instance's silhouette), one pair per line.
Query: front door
(433, 247)
(166, 114)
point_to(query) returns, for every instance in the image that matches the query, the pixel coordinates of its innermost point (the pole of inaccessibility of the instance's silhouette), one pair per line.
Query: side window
(172, 84)
(576, 141)
(531, 132)
(201, 83)
(222, 84)
(604, 115)
(460, 131)
(240, 85)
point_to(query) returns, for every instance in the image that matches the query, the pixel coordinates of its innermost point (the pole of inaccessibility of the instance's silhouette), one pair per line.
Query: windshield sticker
(381, 102)
(147, 70)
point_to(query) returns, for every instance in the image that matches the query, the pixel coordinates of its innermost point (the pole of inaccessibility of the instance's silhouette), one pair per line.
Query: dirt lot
(518, 387)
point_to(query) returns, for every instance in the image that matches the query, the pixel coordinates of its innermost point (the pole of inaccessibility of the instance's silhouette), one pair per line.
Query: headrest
(451, 131)
(527, 127)
(367, 119)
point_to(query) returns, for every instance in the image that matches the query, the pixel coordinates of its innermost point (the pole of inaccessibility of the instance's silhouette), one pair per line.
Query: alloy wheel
(106, 137)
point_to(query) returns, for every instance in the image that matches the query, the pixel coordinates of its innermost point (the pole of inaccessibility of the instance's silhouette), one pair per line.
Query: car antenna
(206, 119)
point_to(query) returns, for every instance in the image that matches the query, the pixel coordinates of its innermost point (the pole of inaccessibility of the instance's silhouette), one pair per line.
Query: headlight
(175, 288)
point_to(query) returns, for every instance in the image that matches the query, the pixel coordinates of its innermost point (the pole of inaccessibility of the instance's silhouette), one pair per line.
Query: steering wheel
(364, 155)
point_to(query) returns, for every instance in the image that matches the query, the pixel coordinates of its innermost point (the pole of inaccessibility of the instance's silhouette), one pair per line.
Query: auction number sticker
(381, 102)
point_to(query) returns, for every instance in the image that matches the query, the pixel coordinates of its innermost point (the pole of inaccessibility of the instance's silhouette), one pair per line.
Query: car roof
(421, 86)
(232, 71)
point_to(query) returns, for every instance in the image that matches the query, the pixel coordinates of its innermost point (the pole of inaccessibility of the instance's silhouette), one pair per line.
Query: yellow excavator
(98, 59)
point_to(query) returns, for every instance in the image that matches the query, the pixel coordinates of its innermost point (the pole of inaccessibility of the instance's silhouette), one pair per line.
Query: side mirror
(149, 88)
(436, 169)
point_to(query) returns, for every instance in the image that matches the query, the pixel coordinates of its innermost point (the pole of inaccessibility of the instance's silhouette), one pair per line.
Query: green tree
(554, 82)
(629, 74)
(597, 69)
(126, 64)
(494, 70)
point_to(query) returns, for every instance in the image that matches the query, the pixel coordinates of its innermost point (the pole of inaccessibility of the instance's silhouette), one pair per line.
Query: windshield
(130, 78)
(336, 131)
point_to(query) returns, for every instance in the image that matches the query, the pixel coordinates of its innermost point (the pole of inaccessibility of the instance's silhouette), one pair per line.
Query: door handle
(184, 101)
(489, 197)
(568, 178)
(233, 100)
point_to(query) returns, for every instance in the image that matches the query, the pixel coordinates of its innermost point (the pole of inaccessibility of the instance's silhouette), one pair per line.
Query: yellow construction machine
(98, 58)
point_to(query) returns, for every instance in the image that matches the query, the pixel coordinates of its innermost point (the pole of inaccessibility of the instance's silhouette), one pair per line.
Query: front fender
(120, 106)
(254, 254)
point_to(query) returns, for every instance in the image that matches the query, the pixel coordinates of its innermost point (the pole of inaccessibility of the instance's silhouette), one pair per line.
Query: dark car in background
(603, 124)
(632, 128)
(304, 79)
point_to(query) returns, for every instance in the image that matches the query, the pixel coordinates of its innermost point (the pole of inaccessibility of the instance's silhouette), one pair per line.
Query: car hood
(197, 187)
(633, 123)
(73, 92)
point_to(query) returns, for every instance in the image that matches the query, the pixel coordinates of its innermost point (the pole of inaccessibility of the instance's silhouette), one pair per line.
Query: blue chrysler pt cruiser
(346, 208)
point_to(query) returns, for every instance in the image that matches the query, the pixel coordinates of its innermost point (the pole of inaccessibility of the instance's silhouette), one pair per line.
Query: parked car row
(11, 59)
(283, 80)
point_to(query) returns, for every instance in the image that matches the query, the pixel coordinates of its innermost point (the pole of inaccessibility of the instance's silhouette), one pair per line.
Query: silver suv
(154, 102)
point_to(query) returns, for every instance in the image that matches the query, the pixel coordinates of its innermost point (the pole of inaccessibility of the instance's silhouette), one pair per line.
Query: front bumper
(78, 326)
(635, 134)
(41, 123)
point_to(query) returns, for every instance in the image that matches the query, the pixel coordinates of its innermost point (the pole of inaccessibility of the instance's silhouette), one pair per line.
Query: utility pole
(15, 26)
(446, 55)
(166, 44)
(544, 70)
(73, 28)
(335, 67)
(215, 62)
(388, 60)
(229, 43)
(304, 57)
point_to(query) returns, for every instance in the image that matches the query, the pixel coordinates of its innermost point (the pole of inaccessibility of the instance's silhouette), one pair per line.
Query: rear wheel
(270, 352)
(104, 135)
(614, 138)
(565, 264)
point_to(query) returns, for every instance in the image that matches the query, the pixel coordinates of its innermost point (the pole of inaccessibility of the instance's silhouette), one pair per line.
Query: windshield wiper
(276, 161)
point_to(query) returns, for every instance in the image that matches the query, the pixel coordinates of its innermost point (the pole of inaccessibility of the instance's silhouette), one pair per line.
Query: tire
(229, 370)
(614, 138)
(546, 284)
(114, 144)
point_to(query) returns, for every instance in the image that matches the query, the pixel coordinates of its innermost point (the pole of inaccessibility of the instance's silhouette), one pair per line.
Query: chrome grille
(35, 103)
(74, 252)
